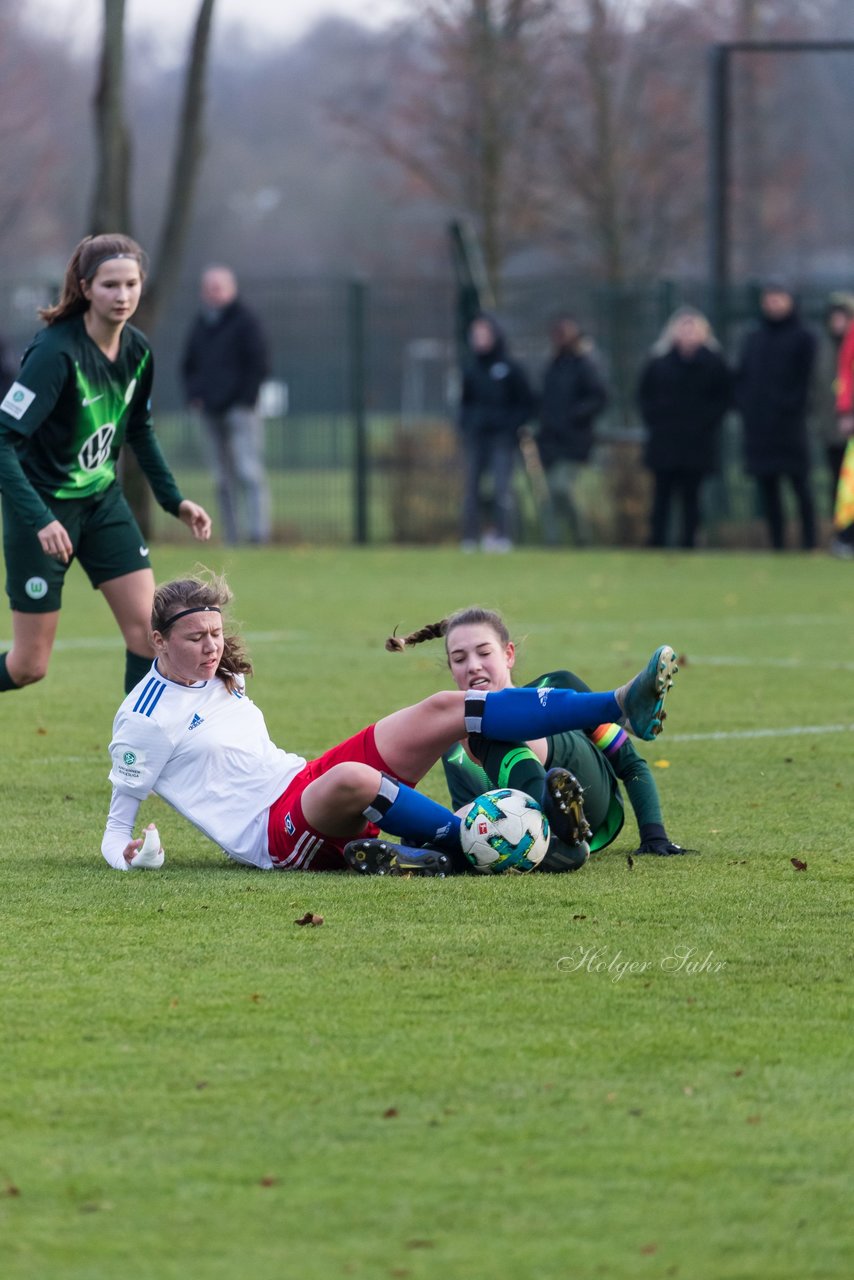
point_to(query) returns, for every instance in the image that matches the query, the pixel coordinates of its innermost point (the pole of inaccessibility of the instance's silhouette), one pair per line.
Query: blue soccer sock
(419, 820)
(512, 715)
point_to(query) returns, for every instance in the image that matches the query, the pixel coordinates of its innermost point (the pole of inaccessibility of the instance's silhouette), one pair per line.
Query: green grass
(497, 1079)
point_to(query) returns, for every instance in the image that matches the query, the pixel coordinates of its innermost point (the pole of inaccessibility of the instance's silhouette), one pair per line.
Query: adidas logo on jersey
(543, 695)
(196, 721)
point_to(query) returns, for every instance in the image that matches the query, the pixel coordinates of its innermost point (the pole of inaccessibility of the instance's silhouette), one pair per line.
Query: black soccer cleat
(375, 857)
(565, 857)
(563, 800)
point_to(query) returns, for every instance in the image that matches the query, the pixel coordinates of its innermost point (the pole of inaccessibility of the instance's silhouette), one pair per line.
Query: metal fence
(367, 451)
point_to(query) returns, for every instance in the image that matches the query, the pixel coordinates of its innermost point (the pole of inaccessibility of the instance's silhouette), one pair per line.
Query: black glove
(654, 839)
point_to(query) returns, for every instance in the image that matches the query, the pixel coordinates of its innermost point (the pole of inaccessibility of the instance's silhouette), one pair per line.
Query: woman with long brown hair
(83, 389)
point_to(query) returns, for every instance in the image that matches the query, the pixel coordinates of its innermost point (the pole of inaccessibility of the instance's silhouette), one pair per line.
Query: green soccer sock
(136, 667)
(514, 765)
(6, 681)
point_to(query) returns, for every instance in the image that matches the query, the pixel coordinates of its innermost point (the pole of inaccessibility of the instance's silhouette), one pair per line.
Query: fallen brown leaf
(630, 862)
(797, 864)
(309, 918)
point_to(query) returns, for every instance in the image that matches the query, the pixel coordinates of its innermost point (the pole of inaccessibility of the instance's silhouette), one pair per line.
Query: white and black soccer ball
(504, 830)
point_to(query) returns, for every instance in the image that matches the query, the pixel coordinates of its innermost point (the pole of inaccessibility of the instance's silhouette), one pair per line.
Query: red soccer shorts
(295, 845)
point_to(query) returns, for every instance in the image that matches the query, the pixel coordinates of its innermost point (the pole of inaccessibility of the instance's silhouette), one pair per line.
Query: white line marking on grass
(742, 661)
(73, 759)
(111, 642)
(675, 625)
(728, 735)
(721, 735)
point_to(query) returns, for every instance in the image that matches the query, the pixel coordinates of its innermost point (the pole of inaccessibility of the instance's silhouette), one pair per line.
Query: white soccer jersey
(208, 754)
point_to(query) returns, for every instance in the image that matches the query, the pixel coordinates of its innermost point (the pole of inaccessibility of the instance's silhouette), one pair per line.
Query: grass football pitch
(640, 1070)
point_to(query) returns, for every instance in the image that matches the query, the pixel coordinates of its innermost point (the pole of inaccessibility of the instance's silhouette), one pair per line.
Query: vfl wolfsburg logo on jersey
(103, 405)
(96, 450)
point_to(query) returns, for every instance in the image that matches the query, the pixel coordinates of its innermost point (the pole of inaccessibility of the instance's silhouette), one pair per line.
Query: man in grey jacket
(225, 361)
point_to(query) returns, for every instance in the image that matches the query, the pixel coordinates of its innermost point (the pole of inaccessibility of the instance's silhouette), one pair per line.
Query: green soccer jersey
(67, 415)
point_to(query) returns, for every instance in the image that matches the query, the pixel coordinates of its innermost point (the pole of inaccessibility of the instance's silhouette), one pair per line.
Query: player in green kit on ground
(83, 389)
(576, 775)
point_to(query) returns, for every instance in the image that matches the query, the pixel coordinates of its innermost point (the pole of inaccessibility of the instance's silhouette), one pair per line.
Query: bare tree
(111, 205)
(38, 150)
(462, 114)
(111, 194)
(628, 133)
(185, 168)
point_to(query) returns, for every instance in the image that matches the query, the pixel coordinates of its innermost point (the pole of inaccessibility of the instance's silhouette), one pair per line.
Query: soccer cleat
(563, 799)
(642, 699)
(374, 857)
(565, 857)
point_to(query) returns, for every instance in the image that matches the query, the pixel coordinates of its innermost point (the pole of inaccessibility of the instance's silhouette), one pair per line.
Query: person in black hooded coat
(496, 402)
(772, 387)
(573, 395)
(683, 395)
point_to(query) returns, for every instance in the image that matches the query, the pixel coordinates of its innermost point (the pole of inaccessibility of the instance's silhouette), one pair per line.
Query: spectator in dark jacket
(772, 390)
(496, 402)
(683, 395)
(224, 364)
(573, 394)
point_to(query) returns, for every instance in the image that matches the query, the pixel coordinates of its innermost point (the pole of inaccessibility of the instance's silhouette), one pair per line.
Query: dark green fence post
(667, 300)
(357, 299)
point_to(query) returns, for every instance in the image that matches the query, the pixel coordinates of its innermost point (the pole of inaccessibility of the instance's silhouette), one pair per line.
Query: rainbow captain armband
(609, 738)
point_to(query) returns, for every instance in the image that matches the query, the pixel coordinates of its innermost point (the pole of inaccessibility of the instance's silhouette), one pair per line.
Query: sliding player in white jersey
(189, 733)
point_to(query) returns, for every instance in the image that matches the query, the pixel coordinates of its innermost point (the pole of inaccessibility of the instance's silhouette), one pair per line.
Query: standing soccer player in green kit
(83, 389)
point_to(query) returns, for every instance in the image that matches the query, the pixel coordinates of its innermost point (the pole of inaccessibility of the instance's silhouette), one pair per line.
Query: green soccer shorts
(106, 541)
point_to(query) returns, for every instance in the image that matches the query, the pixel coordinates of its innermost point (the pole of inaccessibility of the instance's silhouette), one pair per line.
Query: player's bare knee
(27, 670)
(444, 709)
(446, 706)
(355, 784)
